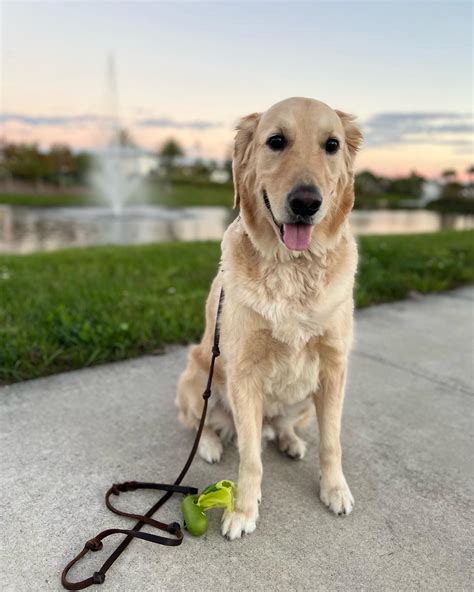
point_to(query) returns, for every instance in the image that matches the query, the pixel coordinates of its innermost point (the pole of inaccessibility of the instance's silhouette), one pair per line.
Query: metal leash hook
(174, 528)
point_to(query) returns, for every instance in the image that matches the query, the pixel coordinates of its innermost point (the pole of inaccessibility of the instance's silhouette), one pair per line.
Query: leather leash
(174, 528)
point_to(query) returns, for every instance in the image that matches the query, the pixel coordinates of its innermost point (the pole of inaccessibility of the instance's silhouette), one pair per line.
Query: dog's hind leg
(288, 440)
(210, 446)
(190, 403)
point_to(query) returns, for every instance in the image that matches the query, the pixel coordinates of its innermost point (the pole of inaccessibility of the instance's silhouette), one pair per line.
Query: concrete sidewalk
(407, 458)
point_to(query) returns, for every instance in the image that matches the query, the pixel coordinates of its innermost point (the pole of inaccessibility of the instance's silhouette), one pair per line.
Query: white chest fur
(291, 299)
(292, 382)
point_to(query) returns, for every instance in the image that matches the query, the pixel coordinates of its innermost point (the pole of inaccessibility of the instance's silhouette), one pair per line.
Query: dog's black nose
(304, 200)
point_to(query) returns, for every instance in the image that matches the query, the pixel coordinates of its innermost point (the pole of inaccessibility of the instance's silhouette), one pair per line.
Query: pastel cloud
(88, 118)
(46, 120)
(163, 122)
(88, 131)
(448, 129)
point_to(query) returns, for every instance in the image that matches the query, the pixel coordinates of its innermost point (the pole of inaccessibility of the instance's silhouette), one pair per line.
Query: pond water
(26, 230)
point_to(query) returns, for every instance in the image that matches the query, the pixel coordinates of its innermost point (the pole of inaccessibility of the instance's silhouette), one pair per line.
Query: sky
(189, 70)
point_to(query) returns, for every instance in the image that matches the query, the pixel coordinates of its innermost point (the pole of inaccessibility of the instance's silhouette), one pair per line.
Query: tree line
(58, 166)
(61, 166)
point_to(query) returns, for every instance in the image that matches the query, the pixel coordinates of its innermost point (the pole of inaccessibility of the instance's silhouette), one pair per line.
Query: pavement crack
(451, 384)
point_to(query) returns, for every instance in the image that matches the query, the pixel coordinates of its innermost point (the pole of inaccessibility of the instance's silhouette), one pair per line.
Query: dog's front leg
(246, 402)
(334, 491)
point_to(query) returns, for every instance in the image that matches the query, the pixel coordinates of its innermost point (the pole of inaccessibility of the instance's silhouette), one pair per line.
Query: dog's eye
(332, 146)
(276, 142)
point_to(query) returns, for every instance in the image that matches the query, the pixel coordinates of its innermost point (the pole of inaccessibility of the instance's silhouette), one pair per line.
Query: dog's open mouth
(296, 237)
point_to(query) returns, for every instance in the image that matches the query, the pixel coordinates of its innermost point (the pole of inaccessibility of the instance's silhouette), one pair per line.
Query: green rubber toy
(218, 495)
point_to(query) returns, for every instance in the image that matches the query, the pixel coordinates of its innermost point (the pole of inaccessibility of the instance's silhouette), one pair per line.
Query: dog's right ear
(242, 149)
(353, 135)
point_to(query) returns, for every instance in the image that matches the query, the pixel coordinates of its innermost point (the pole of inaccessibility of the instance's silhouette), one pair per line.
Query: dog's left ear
(353, 135)
(353, 141)
(242, 149)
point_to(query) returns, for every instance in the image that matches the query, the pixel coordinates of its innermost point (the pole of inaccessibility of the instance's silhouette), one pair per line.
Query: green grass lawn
(44, 201)
(75, 308)
(177, 194)
(188, 194)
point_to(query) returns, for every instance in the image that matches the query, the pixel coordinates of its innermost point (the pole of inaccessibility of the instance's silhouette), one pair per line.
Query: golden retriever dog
(287, 268)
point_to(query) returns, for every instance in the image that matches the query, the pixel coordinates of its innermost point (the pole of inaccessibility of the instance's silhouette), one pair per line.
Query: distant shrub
(453, 205)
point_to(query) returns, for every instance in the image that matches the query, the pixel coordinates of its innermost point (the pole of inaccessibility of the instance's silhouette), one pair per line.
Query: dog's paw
(211, 449)
(268, 433)
(292, 445)
(338, 498)
(237, 523)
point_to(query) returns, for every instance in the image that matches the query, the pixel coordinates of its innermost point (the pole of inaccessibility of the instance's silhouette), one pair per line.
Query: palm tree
(449, 175)
(170, 152)
(470, 172)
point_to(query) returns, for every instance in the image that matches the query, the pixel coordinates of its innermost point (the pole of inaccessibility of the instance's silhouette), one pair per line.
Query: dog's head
(292, 171)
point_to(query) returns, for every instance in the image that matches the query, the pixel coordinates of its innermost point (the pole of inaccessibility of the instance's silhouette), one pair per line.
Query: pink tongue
(297, 236)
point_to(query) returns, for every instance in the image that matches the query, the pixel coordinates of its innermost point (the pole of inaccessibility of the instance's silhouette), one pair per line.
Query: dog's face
(292, 166)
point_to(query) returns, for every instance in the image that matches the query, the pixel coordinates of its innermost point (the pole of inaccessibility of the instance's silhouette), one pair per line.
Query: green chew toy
(218, 495)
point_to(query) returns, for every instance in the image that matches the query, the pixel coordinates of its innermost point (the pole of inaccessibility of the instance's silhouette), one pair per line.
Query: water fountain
(116, 177)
